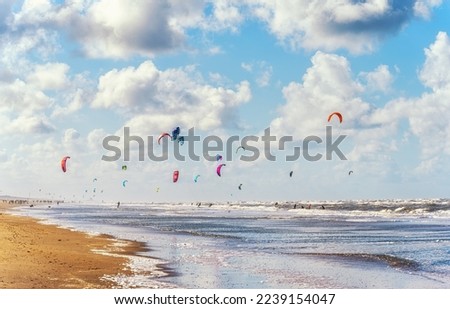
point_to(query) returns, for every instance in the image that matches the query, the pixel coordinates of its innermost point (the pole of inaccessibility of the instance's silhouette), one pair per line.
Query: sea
(364, 244)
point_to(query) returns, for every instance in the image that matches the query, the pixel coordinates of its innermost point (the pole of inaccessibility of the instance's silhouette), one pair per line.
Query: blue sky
(74, 72)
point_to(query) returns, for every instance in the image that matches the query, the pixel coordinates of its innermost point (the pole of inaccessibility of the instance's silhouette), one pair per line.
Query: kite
(175, 133)
(64, 163)
(175, 176)
(219, 169)
(339, 115)
(161, 136)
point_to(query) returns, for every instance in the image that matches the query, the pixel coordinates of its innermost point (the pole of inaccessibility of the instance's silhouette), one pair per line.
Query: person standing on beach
(118, 204)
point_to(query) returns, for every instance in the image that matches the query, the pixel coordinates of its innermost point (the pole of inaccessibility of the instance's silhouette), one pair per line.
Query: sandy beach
(35, 255)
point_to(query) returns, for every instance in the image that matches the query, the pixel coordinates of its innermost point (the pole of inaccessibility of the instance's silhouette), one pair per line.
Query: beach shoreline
(37, 255)
(261, 246)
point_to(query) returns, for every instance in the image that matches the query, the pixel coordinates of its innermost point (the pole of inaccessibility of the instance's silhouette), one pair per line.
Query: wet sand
(35, 255)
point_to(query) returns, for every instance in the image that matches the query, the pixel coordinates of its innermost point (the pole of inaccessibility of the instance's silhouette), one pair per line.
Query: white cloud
(225, 14)
(15, 46)
(261, 71)
(120, 29)
(423, 7)
(427, 117)
(154, 97)
(247, 66)
(24, 100)
(130, 88)
(327, 87)
(380, 79)
(428, 166)
(71, 135)
(18, 96)
(215, 50)
(76, 100)
(151, 100)
(110, 28)
(29, 124)
(95, 139)
(434, 73)
(49, 76)
(265, 74)
(427, 114)
(330, 25)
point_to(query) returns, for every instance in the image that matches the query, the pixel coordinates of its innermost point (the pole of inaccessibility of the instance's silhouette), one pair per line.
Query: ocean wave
(386, 259)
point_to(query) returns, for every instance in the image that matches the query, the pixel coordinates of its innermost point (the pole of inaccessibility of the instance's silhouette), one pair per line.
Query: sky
(73, 73)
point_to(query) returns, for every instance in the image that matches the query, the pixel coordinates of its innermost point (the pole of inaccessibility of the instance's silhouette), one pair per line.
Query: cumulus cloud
(28, 101)
(225, 14)
(429, 123)
(71, 135)
(49, 76)
(95, 139)
(27, 124)
(354, 25)
(434, 73)
(152, 96)
(76, 99)
(423, 7)
(149, 99)
(120, 29)
(109, 28)
(18, 96)
(117, 28)
(425, 114)
(379, 80)
(327, 87)
(16, 45)
(72, 141)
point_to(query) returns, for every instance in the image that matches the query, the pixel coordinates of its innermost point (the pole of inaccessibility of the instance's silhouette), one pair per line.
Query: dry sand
(34, 255)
